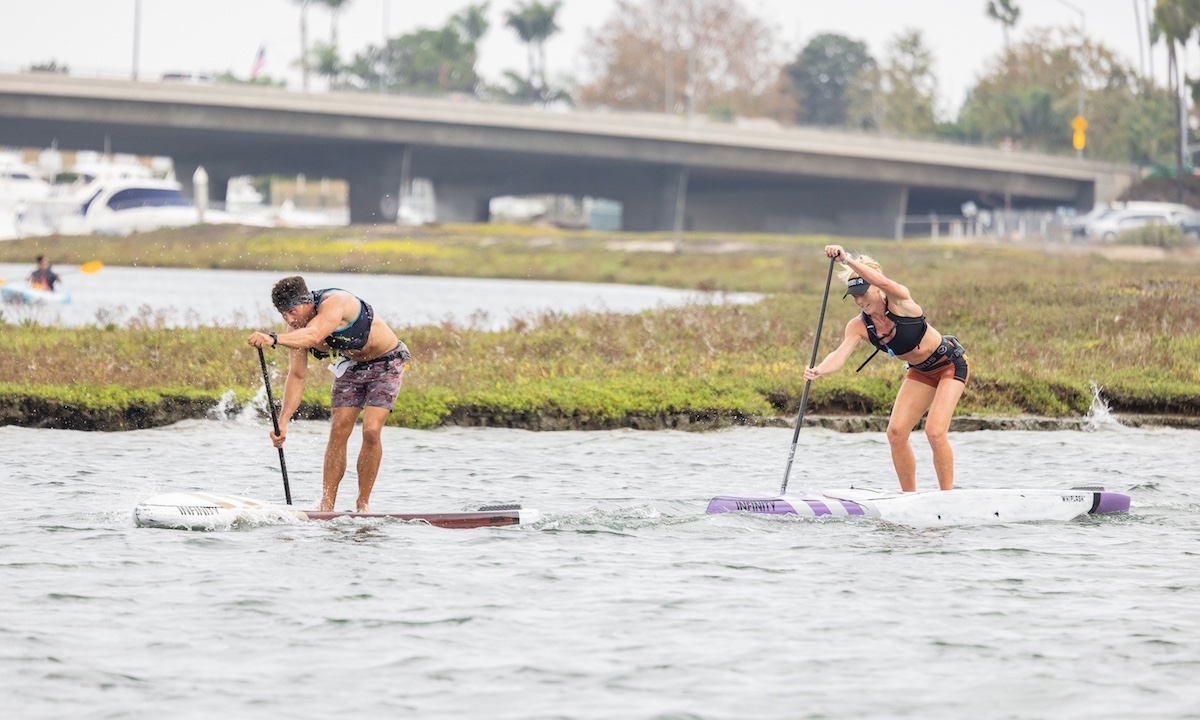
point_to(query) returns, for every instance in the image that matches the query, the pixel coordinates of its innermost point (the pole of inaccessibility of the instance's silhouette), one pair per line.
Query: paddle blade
(91, 267)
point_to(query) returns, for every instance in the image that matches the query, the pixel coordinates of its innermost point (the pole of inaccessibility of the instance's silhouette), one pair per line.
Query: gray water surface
(624, 601)
(242, 298)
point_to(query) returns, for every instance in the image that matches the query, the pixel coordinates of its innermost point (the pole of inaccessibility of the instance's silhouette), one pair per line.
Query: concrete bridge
(668, 173)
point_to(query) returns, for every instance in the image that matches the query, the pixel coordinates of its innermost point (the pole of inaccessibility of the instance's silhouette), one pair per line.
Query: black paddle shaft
(287, 490)
(807, 383)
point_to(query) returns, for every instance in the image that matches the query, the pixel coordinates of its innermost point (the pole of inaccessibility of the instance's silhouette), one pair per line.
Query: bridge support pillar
(462, 203)
(375, 176)
(656, 204)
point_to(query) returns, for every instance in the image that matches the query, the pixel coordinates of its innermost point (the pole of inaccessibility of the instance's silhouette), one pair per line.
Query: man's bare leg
(335, 453)
(371, 454)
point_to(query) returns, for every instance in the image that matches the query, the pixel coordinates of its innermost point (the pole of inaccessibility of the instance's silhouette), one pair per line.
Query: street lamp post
(386, 52)
(137, 35)
(1082, 40)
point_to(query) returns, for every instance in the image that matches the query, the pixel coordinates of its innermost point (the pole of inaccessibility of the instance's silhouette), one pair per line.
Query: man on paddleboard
(43, 278)
(937, 364)
(367, 359)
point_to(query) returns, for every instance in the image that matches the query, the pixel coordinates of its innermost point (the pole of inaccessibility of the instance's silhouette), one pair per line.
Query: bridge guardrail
(1013, 225)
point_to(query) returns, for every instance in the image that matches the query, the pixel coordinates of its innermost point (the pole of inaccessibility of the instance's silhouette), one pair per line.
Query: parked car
(1079, 226)
(1108, 226)
(1190, 224)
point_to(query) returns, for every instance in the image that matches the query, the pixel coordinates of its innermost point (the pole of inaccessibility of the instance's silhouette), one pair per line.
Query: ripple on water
(625, 599)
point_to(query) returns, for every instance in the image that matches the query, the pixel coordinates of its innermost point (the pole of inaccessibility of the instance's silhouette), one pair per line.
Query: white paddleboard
(934, 507)
(197, 510)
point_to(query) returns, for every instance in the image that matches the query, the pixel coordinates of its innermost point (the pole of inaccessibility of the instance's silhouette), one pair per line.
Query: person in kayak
(937, 364)
(43, 278)
(368, 362)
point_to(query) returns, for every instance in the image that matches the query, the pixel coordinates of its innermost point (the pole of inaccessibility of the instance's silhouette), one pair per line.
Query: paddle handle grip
(262, 361)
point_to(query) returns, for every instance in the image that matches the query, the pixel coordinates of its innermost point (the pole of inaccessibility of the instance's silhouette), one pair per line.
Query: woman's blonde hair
(846, 273)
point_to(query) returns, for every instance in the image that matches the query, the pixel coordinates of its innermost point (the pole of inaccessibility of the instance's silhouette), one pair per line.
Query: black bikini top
(905, 337)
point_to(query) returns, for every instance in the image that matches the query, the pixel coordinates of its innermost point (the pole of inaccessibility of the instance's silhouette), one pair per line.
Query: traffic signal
(1079, 124)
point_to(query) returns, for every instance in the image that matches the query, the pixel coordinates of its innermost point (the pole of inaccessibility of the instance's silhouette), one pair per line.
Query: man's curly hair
(285, 292)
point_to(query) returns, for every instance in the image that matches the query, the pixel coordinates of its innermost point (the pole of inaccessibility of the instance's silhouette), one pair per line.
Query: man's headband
(301, 299)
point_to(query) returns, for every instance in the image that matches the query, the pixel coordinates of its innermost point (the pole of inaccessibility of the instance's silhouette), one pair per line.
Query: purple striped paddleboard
(955, 507)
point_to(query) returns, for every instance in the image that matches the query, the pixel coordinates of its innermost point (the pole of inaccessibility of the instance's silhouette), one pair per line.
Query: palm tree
(1175, 21)
(471, 24)
(1006, 13)
(472, 21)
(327, 64)
(534, 23)
(303, 42)
(335, 7)
(328, 60)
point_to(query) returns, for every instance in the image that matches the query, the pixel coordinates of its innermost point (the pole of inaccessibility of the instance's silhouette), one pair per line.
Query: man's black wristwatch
(274, 338)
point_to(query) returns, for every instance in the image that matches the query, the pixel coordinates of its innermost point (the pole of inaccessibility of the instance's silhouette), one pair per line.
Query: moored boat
(27, 294)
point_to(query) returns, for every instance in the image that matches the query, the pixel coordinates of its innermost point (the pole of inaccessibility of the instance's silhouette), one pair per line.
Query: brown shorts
(375, 384)
(955, 369)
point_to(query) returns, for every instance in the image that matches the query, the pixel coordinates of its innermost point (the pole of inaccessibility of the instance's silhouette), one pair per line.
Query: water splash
(256, 408)
(1099, 416)
(229, 409)
(226, 408)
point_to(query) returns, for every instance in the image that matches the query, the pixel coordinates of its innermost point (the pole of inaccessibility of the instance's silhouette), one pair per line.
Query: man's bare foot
(364, 509)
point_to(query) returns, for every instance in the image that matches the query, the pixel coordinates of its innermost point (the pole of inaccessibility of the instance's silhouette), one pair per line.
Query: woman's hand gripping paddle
(804, 397)
(287, 490)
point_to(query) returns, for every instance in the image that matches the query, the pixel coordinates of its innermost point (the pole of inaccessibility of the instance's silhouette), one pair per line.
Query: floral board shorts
(374, 384)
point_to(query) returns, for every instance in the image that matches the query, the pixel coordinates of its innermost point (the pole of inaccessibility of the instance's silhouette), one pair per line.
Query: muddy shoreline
(34, 412)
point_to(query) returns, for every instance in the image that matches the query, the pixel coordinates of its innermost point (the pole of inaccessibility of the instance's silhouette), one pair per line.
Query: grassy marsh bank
(1041, 329)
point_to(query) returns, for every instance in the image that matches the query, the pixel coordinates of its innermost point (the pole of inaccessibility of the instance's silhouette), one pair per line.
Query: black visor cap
(856, 286)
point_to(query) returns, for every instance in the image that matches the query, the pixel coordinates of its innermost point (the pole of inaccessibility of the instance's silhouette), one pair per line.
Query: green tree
(824, 76)
(324, 60)
(1006, 13)
(534, 23)
(899, 96)
(425, 61)
(1138, 128)
(229, 78)
(1029, 96)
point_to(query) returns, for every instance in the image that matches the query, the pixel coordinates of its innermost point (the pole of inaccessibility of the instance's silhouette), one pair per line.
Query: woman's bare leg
(912, 401)
(937, 427)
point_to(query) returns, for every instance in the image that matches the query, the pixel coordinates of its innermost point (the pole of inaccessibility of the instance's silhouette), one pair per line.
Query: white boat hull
(33, 295)
(933, 508)
(209, 511)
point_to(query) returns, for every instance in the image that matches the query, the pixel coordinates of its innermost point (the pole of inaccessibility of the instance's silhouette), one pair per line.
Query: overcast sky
(96, 37)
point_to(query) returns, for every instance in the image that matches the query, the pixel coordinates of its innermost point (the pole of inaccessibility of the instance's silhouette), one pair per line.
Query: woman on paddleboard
(937, 364)
(368, 362)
